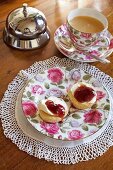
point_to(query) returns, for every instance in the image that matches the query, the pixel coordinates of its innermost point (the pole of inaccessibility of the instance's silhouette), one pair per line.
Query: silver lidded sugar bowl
(26, 28)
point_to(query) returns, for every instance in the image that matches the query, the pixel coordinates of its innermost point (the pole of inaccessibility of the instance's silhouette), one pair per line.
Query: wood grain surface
(12, 61)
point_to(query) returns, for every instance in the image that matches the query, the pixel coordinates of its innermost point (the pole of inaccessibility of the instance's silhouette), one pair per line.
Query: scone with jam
(82, 95)
(53, 109)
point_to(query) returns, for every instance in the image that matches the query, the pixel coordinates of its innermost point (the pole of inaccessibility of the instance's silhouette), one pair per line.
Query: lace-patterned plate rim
(74, 155)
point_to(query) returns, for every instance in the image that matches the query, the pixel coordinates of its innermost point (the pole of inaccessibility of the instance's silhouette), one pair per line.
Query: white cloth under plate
(28, 139)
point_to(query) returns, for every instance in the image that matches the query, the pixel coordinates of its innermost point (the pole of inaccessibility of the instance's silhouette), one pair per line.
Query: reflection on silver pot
(26, 29)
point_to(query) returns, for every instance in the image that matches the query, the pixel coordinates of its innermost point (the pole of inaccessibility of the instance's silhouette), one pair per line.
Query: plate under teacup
(100, 49)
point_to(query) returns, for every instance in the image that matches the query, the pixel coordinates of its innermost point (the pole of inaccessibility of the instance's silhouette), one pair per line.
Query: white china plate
(79, 124)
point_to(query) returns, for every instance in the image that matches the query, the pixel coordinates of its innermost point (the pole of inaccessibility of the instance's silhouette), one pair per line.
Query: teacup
(84, 40)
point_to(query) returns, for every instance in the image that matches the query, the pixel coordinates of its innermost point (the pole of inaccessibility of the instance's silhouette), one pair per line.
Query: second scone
(82, 95)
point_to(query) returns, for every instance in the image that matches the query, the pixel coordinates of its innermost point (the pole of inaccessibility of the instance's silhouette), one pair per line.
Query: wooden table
(12, 61)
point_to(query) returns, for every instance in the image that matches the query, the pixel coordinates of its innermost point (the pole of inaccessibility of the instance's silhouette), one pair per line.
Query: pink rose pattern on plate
(93, 116)
(100, 95)
(56, 82)
(75, 135)
(29, 108)
(55, 75)
(51, 128)
(37, 89)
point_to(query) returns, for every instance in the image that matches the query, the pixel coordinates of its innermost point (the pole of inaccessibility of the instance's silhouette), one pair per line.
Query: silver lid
(26, 22)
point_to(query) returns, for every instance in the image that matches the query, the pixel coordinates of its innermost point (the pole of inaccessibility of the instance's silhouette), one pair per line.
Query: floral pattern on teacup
(81, 39)
(111, 44)
(86, 35)
(99, 47)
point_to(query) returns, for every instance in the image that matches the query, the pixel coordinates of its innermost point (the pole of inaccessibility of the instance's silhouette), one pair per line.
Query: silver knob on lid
(25, 9)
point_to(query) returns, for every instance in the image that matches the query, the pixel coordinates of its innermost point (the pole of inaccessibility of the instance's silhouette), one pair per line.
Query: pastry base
(77, 104)
(49, 118)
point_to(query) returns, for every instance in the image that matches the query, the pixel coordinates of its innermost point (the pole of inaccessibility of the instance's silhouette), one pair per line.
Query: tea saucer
(100, 49)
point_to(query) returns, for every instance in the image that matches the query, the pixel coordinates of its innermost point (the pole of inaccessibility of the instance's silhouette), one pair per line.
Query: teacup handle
(104, 37)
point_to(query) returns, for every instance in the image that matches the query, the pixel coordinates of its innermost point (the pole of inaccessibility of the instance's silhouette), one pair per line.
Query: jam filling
(84, 94)
(56, 109)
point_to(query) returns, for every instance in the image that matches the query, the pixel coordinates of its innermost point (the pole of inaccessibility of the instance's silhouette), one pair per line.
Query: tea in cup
(86, 26)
